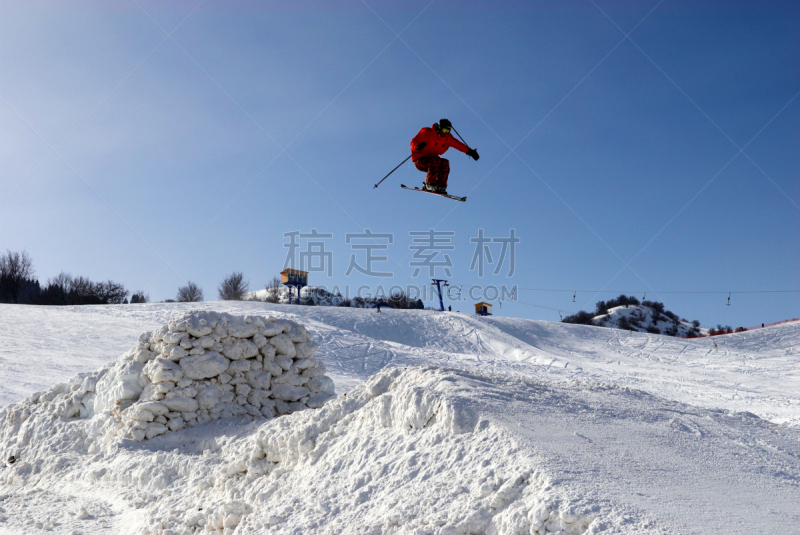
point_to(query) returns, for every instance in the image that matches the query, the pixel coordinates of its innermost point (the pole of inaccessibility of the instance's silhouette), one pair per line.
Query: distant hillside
(310, 295)
(628, 313)
(314, 296)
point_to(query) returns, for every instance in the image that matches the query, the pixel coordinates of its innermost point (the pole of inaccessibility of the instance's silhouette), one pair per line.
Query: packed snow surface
(444, 424)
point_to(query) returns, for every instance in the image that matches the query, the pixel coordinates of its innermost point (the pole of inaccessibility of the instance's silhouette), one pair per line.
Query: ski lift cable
(628, 292)
(559, 310)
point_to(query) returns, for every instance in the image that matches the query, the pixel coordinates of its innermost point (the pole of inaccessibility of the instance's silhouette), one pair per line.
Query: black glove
(472, 153)
(421, 145)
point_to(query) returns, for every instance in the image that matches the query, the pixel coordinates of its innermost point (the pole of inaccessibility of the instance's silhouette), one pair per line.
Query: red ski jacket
(435, 145)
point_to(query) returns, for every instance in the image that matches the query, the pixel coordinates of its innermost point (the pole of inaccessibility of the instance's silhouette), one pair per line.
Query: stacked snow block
(203, 366)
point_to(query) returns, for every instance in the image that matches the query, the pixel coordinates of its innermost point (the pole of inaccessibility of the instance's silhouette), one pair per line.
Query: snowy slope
(756, 371)
(509, 426)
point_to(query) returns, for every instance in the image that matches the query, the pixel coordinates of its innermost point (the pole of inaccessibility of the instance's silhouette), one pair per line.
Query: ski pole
(393, 170)
(459, 136)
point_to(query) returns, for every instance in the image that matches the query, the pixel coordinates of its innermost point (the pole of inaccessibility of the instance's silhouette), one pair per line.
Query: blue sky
(188, 139)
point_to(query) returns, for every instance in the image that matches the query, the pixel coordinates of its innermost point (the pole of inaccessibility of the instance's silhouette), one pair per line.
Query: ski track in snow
(471, 425)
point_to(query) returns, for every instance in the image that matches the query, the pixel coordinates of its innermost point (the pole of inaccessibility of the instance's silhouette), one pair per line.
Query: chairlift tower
(439, 283)
(294, 278)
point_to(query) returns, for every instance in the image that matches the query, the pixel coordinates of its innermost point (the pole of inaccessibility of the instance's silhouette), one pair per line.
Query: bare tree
(57, 291)
(112, 293)
(191, 293)
(83, 289)
(64, 289)
(233, 287)
(273, 288)
(15, 270)
(63, 279)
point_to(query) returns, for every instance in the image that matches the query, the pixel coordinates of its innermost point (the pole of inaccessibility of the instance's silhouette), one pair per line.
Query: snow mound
(404, 452)
(199, 367)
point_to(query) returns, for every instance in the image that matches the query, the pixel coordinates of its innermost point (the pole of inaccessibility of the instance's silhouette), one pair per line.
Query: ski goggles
(444, 130)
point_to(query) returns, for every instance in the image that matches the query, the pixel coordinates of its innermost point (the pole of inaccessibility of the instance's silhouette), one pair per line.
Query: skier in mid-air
(427, 148)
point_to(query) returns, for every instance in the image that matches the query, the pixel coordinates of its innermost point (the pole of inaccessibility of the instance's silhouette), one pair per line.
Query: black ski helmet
(444, 123)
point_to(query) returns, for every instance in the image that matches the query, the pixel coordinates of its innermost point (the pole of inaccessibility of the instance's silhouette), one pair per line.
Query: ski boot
(428, 187)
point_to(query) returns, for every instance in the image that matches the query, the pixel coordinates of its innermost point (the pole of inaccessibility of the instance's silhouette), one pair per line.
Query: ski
(462, 199)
